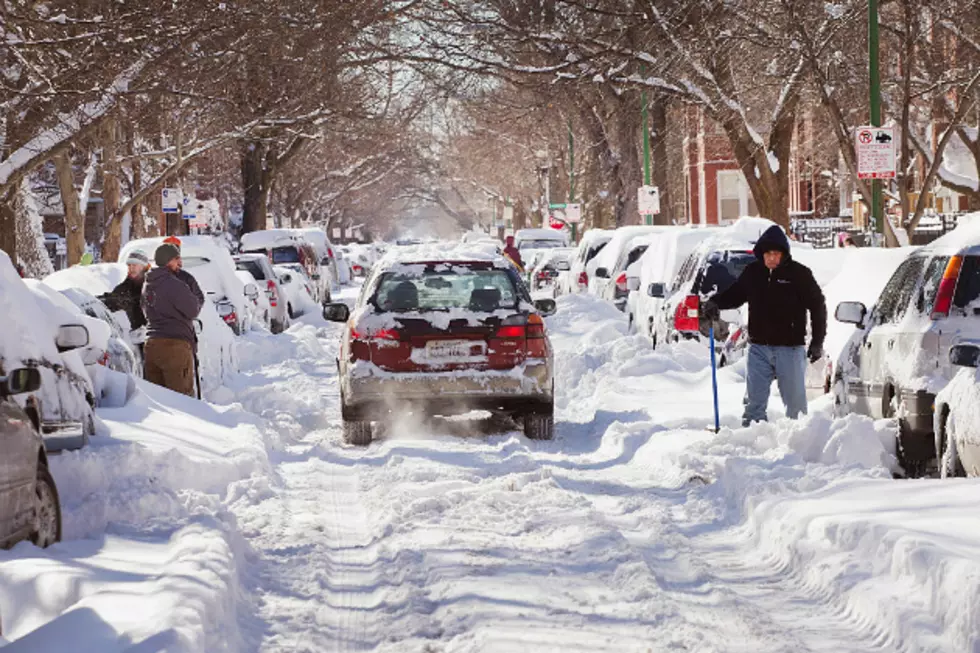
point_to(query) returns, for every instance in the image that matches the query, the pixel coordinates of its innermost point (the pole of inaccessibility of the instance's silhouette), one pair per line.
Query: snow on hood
(97, 279)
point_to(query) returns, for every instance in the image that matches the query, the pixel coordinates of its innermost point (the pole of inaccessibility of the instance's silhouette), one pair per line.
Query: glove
(815, 352)
(709, 311)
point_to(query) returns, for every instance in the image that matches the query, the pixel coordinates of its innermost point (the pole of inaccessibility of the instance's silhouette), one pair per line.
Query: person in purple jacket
(171, 301)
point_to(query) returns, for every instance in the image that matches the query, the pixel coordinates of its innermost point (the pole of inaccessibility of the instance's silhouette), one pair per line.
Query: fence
(822, 232)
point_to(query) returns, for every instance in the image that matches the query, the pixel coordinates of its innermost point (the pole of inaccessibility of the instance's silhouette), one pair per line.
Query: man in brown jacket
(171, 301)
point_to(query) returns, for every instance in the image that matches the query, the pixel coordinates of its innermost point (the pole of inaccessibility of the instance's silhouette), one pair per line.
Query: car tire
(47, 518)
(88, 429)
(950, 465)
(539, 426)
(914, 467)
(357, 432)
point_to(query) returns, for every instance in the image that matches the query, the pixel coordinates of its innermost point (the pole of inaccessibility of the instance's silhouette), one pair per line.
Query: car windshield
(252, 267)
(444, 287)
(539, 244)
(285, 255)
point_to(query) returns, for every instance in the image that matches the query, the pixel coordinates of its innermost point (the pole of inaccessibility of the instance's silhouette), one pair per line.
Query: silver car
(897, 361)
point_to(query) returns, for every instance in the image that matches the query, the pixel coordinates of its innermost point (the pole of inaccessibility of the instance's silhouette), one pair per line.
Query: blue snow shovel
(714, 374)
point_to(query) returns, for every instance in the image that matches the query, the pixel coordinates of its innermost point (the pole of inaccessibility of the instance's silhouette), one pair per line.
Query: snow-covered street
(248, 525)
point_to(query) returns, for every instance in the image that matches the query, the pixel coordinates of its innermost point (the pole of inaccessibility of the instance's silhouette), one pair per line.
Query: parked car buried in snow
(896, 361)
(29, 505)
(957, 424)
(445, 332)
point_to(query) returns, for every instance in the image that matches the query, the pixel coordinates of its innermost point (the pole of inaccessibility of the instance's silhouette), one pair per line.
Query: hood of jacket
(772, 238)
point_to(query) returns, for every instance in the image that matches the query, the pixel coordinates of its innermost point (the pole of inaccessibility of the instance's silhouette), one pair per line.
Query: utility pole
(571, 175)
(648, 219)
(877, 208)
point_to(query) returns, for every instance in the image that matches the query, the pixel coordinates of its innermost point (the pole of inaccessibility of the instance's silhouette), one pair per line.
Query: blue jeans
(787, 365)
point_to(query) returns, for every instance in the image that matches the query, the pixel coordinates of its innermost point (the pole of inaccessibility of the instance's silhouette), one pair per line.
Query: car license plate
(454, 349)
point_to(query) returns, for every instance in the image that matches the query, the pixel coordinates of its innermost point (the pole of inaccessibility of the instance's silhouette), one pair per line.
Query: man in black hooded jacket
(780, 292)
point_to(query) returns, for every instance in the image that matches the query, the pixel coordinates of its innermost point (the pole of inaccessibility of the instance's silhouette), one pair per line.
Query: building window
(734, 198)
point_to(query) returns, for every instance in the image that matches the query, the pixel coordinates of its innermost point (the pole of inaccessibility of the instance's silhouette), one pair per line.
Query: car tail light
(537, 345)
(104, 360)
(686, 315)
(230, 318)
(583, 279)
(511, 332)
(947, 287)
(360, 345)
(621, 283)
(270, 292)
(356, 269)
(330, 252)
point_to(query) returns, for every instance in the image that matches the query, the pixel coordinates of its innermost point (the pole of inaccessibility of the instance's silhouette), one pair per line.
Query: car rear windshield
(253, 268)
(968, 285)
(442, 287)
(593, 251)
(721, 271)
(539, 244)
(285, 255)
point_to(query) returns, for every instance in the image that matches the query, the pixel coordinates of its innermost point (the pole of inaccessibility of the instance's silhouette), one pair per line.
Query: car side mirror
(633, 283)
(546, 307)
(602, 273)
(965, 355)
(316, 276)
(851, 313)
(325, 260)
(71, 336)
(657, 290)
(563, 266)
(286, 277)
(20, 380)
(336, 312)
(251, 291)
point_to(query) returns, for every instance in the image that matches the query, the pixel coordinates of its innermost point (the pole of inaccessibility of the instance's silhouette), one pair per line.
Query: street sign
(171, 200)
(570, 213)
(336, 233)
(556, 223)
(188, 208)
(648, 200)
(509, 215)
(875, 149)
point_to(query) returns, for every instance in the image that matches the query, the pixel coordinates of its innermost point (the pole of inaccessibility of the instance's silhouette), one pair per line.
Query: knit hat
(137, 257)
(172, 240)
(165, 253)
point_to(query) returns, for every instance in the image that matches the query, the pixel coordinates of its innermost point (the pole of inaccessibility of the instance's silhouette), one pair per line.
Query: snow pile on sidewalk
(151, 554)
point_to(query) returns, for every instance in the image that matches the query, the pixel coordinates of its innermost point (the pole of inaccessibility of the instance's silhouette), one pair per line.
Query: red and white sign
(555, 223)
(875, 149)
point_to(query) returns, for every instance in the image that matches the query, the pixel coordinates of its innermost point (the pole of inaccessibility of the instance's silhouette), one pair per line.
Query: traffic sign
(189, 208)
(875, 149)
(171, 200)
(555, 223)
(648, 200)
(569, 213)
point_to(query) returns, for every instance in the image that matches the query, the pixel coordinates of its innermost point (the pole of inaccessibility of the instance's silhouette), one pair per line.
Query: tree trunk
(30, 237)
(111, 191)
(137, 227)
(74, 219)
(254, 176)
(8, 232)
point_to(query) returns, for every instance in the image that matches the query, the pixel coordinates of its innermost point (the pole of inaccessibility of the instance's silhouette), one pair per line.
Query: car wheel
(289, 309)
(88, 429)
(357, 432)
(539, 426)
(47, 510)
(950, 465)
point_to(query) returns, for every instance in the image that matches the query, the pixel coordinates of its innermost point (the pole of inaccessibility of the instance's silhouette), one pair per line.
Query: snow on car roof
(23, 336)
(189, 246)
(966, 236)
(540, 234)
(620, 238)
(445, 251)
(270, 238)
